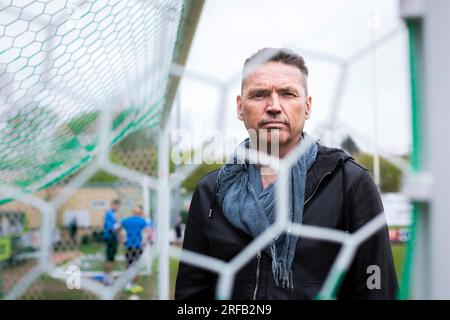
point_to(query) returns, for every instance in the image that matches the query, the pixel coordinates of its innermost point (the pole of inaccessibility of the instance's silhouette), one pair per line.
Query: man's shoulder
(334, 155)
(142, 221)
(127, 219)
(209, 180)
(133, 219)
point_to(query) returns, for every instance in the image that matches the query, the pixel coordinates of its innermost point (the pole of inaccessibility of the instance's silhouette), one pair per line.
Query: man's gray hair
(283, 55)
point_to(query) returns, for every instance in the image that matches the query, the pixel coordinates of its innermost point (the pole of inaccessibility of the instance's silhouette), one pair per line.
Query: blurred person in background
(135, 226)
(110, 236)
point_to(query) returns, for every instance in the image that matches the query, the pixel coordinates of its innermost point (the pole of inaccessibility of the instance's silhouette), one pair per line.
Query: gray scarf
(250, 208)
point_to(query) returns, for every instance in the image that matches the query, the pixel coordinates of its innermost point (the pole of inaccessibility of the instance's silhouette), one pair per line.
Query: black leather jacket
(326, 205)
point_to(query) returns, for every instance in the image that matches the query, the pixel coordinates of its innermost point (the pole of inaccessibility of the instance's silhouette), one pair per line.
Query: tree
(191, 182)
(350, 145)
(391, 176)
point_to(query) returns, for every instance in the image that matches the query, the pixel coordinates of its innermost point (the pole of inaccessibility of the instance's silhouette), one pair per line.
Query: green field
(52, 289)
(398, 251)
(49, 288)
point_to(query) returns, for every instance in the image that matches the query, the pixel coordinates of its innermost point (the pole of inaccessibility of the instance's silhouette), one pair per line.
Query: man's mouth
(273, 124)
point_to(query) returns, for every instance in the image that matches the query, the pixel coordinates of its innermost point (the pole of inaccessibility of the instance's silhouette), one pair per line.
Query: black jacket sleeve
(193, 282)
(375, 252)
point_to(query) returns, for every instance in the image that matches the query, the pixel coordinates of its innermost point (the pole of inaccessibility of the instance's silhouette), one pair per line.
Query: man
(134, 226)
(73, 228)
(110, 229)
(232, 206)
(178, 231)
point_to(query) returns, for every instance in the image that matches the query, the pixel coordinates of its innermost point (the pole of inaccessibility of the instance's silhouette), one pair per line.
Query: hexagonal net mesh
(61, 63)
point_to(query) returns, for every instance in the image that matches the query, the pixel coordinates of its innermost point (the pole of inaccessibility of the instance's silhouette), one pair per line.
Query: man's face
(137, 211)
(273, 98)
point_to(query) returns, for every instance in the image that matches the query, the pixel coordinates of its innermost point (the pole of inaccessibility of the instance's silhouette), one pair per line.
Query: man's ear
(308, 107)
(240, 111)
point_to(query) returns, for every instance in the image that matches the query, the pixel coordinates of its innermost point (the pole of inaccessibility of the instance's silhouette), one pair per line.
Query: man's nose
(274, 105)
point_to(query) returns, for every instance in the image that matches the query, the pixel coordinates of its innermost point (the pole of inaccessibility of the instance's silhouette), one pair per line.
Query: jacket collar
(328, 160)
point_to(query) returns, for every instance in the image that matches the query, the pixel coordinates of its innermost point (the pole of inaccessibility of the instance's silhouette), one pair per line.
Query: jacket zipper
(317, 187)
(258, 256)
(258, 260)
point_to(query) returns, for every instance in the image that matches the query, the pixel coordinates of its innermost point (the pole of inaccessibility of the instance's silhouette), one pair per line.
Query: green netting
(61, 63)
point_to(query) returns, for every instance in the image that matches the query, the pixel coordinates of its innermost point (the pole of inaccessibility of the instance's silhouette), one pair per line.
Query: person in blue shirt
(134, 227)
(110, 236)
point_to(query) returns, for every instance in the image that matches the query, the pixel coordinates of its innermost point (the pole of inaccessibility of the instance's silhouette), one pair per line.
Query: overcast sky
(230, 31)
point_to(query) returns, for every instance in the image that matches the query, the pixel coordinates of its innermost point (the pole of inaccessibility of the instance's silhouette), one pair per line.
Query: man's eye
(258, 95)
(288, 94)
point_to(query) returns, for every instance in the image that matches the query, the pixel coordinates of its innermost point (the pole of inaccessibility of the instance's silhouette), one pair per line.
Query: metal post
(416, 265)
(176, 191)
(373, 25)
(376, 156)
(164, 207)
(163, 212)
(437, 75)
(428, 23)
(47, 218)
(146, 207)
(146, 198)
